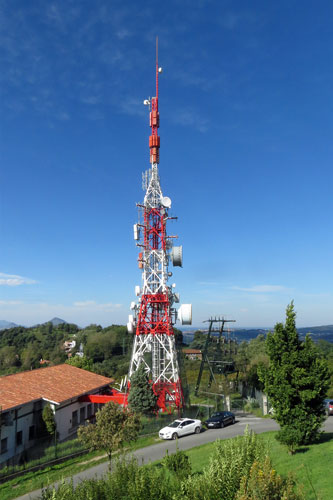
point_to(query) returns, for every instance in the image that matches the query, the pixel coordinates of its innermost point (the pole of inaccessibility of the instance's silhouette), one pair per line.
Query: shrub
(127, 482)
(231, 461)
(290, 436)
(264, 483)
(178, 463)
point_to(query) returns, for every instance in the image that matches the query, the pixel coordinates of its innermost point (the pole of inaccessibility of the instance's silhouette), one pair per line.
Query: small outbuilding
(192, 354)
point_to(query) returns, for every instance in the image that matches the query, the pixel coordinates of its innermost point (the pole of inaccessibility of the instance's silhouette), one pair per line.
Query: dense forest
(107, 350)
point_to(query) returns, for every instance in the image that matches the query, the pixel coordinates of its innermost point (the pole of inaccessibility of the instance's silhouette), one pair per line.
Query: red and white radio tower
(154, 314)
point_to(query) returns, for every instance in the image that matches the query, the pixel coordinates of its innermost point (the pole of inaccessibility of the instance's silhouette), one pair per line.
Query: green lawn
(311, 465)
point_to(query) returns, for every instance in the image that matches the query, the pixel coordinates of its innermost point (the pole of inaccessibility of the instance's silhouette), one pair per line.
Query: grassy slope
(311, 466)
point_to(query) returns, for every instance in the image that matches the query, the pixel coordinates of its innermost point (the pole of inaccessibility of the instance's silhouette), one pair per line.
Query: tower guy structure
(154, 313)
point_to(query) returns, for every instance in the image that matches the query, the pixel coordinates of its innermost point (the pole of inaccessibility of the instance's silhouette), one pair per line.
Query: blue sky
(246, 155)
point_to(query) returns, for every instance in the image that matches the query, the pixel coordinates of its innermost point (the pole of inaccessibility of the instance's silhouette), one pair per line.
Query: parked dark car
(220, 419)
(329, 406)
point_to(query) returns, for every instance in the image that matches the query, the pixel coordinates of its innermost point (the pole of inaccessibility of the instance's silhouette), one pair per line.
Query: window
(3, 445)
(31, 432)
(82, 414)
(19, 438)
(74, 418)
(89, 410)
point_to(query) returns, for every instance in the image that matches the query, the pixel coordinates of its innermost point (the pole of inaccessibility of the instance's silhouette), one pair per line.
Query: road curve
(157, 451)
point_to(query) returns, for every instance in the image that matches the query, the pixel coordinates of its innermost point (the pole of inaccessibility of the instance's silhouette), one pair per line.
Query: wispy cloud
(193, 77)
(208, 283)
(133, 106)
(15, 280)
(95, 305)
(261, 289)
(190, 118)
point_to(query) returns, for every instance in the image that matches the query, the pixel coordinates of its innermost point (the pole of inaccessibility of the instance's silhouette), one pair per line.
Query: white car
(181, 427)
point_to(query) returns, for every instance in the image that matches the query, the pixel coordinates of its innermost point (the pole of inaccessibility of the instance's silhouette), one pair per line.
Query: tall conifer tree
(296, 382)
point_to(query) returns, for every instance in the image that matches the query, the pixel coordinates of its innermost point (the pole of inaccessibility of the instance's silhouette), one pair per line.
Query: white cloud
(85, 303)
(123, 33)
(190, 118)
(94, 305)
(261, 289)
(15, 280)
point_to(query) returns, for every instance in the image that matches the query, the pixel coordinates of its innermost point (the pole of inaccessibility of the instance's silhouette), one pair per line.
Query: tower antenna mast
(154, 314)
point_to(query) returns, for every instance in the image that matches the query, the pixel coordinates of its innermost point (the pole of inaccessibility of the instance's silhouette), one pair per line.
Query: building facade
(24, 395)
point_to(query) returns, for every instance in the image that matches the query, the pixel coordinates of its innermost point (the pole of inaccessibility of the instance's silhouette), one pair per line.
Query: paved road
(157, 451)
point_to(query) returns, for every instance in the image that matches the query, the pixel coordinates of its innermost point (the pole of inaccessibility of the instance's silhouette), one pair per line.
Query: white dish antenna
(184, 314)
(137, 290)
(136, 232)
(177, 256)
(130, 327)
(166, 202)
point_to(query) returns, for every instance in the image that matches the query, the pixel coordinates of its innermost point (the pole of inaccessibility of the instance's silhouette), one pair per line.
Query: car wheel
(197, 430)
(174, 435)
(222, 425)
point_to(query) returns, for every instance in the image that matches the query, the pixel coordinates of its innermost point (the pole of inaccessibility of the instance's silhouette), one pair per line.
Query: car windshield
(174, 424)
(218, 414)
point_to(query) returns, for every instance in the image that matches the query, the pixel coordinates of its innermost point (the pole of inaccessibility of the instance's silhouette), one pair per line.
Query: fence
(41, 454)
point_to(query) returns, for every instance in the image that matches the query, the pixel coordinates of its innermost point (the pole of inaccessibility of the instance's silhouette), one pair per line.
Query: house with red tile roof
(192, 354)
(24, 395)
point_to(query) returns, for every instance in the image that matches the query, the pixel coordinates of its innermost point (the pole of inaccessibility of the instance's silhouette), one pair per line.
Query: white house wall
(63, 418)
(22, 419)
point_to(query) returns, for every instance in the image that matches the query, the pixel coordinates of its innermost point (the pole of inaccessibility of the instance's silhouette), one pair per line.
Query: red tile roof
(54, 383)
(192, 351)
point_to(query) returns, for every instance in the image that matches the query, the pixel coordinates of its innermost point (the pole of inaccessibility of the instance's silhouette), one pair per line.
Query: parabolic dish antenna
(166, 202)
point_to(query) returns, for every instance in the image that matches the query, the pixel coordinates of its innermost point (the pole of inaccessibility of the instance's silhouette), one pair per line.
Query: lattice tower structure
(154, 314)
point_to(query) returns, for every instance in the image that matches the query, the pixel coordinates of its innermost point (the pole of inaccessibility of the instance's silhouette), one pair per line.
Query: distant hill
(324, 332)
(6, 324)
(57, 321)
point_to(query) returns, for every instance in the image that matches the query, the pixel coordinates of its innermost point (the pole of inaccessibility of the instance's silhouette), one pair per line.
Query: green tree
(199, 340)
(31, 356)
(249, 357)
(114, 426)
(81, 362)
(49, 420)
(178, 336)
(296, 383)
(50, 424)
(8, 357)
(141, 396)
